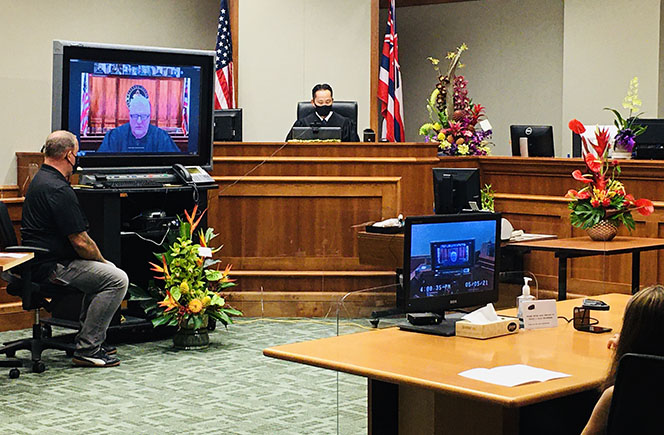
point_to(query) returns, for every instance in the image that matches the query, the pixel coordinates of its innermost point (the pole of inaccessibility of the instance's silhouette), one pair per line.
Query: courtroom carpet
(229, 388)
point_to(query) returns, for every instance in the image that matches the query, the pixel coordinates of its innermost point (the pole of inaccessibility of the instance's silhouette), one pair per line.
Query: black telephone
(182, 173)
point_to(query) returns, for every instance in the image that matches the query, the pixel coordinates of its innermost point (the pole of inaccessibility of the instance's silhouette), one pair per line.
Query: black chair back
(347, 109)
(635, 406)
(7, 234)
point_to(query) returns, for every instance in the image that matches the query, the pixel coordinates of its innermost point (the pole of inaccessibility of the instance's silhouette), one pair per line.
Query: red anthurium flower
(572, 194)
(645, 206)
(606, 201)
(629, 198)
(578, 176)
(576, 126)
(593, 163)
(583, 195)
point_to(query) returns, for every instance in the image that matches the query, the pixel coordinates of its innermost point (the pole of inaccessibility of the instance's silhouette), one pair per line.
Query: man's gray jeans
(103, 286)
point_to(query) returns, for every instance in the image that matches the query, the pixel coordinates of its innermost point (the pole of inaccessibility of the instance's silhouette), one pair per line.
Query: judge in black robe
(348, 133)
(323, 115)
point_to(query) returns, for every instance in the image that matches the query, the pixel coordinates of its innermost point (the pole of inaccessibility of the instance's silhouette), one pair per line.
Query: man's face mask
(75, 165)
(323, 111)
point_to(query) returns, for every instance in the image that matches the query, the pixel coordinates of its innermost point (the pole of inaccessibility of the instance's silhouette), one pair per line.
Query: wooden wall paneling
(293, 234)
(339, 149)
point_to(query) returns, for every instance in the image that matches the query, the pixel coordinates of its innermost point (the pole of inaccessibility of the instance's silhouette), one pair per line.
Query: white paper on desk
(512, 375)
(482, 316)
(539, 314)
(12, 255)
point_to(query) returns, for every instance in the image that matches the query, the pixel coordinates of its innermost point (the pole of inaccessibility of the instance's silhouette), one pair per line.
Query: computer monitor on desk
(454, 189)
(539, 137)
(228, 125)
(650, 144)
(316, 133)
(450, 261)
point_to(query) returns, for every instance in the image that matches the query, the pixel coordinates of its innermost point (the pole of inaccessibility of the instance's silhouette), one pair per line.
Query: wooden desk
(585, 247)
(7, 262)
(415, 376)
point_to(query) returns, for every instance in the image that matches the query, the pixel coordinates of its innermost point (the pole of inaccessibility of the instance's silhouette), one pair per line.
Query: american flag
(85, 103)
(389, 83)
(223, 83)
(185, 107)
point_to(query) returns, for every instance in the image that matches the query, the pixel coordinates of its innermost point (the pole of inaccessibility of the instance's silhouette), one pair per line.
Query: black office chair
(33, 296)
(636, 404)
(347, 109)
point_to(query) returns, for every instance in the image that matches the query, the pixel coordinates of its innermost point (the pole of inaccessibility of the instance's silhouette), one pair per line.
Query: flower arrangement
(627, 131)
(191, 286)
(453, 117)
(603, 198)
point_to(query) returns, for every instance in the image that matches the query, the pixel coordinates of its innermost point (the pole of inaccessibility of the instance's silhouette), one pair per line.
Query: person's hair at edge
(58, 143)
(642, 329)
(320, 87)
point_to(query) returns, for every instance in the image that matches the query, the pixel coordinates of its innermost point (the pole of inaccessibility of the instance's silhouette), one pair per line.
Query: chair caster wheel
(38, 367)
(374, 322)
(14, 373)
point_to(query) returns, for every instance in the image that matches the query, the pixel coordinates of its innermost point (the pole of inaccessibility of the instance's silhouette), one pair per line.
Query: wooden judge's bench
(288, 217)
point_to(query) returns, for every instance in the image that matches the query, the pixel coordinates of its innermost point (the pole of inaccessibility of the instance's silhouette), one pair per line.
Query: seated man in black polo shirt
(53, 219)
(323, 116)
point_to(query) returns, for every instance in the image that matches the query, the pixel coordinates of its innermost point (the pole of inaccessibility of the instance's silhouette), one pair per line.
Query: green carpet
(229, 388)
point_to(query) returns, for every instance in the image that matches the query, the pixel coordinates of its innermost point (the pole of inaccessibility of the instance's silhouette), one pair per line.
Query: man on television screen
(323, 116)
(53, 219)
(138, 135)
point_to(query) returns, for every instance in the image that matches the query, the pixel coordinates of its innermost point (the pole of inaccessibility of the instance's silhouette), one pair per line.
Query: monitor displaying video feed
(134, 106)
(451, 261)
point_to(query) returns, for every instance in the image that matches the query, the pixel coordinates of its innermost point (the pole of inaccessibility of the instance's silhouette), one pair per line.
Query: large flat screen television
(134, 107)
(450, 261)
(454, 189)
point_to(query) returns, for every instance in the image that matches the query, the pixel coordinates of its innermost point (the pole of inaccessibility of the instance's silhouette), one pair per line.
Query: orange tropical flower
(195, 306)
(169, 303)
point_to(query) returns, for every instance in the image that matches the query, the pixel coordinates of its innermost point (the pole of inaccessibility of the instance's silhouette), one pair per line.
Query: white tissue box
(502, 326)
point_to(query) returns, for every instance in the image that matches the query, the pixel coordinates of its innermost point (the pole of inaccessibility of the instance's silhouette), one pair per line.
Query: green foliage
(487, 197)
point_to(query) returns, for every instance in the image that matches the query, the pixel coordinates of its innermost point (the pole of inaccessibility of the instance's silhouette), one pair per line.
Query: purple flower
(625, 139)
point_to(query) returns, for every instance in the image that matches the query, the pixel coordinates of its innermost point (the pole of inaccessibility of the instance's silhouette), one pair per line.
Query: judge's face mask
(323, 111)
(323, 102)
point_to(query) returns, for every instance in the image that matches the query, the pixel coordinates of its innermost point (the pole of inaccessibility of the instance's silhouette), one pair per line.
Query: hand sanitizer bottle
(525, 296)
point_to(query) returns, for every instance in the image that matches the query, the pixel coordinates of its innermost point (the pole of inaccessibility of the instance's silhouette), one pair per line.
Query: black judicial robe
(348, 132)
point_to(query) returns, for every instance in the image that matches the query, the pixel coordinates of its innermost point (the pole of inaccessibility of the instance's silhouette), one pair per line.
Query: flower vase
(619, 152)
(603, 231)
(188, 338)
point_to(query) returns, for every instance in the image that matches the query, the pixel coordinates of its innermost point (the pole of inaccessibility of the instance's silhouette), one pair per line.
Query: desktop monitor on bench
(650, 144)
(454, 189)
(228, 125)
(316, 133)
(450, 262)
(540, 140)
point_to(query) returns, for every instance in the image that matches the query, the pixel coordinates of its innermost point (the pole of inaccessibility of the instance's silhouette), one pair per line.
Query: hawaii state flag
(185, 107)
(389, 83)
(224, 96)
